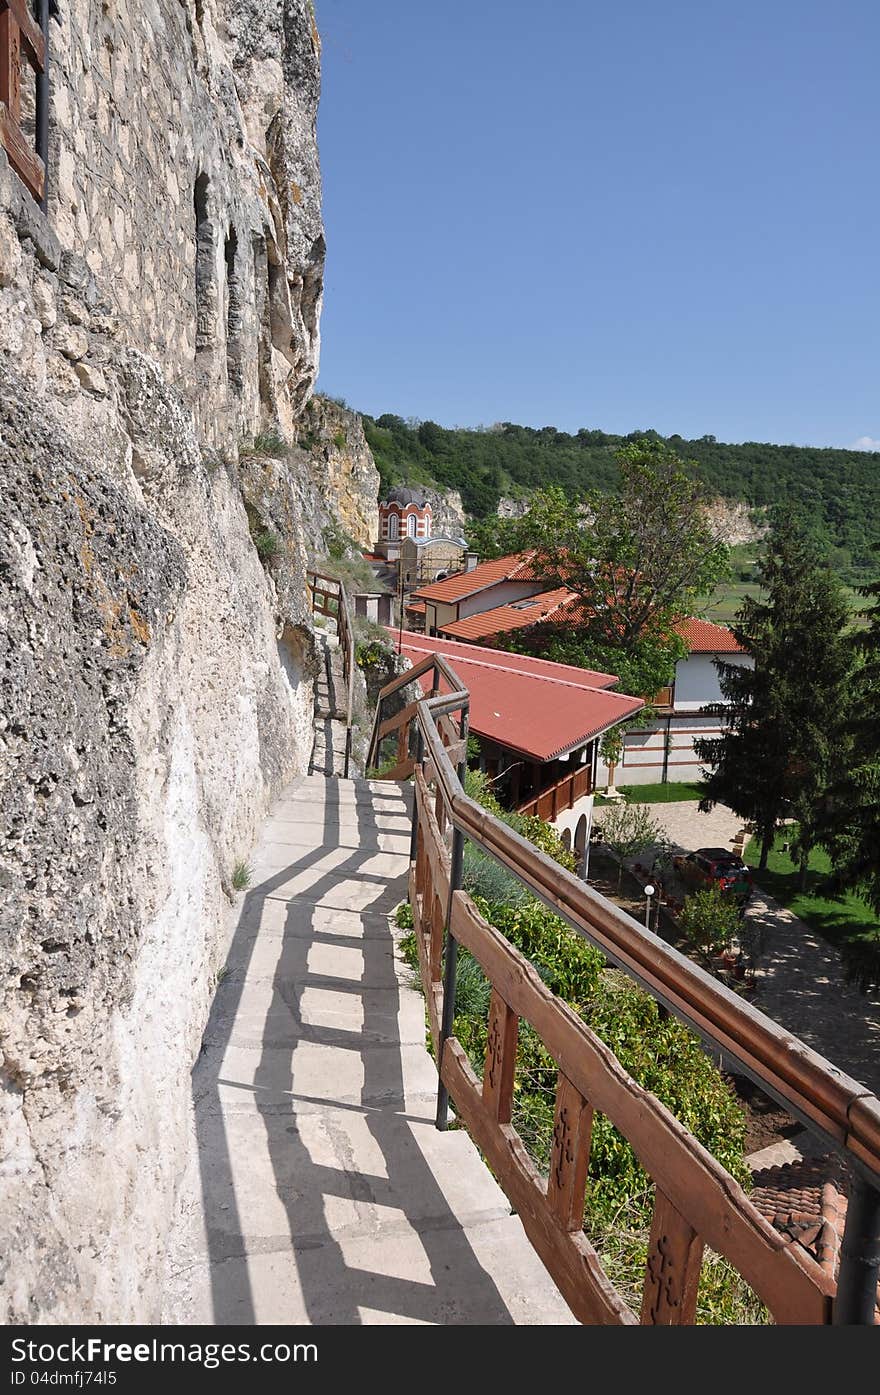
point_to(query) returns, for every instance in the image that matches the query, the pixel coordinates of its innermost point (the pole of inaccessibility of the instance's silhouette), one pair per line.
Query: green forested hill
(838, 491)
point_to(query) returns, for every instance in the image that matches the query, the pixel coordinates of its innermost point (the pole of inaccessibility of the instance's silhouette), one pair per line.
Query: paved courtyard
(800, 979)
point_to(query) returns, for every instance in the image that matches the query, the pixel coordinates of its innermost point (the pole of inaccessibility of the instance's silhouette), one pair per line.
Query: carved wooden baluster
(10, 65)
(570, 1157)
(440, 810)
(402, 743)
(435, 943)
(421, 869)
(500, 1059)
(672, 1275)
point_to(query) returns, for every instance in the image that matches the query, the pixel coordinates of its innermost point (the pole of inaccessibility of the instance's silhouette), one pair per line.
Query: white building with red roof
(662, 750)
(500, 582)
(485, 605)
(539, 725)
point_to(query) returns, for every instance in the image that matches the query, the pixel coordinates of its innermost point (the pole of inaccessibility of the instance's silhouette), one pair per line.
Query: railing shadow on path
(305, 1136)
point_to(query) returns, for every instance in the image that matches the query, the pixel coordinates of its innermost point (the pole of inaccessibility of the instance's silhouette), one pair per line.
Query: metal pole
(42, 101)
(449, 975)
(856, 1297)
(450, 968)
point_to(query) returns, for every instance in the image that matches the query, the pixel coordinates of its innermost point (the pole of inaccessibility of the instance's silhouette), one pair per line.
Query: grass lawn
(671, 793)
(847, 922)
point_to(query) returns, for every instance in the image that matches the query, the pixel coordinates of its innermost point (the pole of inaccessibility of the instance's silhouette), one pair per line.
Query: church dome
(402, 494)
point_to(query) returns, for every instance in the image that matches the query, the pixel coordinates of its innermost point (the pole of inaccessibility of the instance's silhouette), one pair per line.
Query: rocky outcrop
(156, 661)
(343, 471)
(735, 522)
(447, 512)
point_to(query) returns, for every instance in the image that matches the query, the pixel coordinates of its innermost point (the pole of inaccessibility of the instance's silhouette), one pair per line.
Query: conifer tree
(783, 718)
(850, 822)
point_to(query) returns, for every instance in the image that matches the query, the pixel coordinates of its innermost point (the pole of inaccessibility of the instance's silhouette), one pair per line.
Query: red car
(715, 867)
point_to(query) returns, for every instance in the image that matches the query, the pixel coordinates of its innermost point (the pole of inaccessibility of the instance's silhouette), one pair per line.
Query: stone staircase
(328, 749)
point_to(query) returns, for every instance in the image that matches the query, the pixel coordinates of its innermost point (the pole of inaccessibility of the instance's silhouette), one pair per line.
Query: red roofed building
(500, 582)
(663, 749)
(538, 724)
(486, 604)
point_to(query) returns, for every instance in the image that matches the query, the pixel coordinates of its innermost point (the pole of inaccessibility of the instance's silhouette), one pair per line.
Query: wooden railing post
(672, 1273)
(420, 754)
(500, 1065)
(10, 64)
(572, 1133)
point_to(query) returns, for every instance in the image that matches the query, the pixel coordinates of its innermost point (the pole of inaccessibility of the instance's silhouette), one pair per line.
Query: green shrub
(403, 919)
(340, 440)
(268, 544)
(709, 920)
(269, 442)
(242, 875)
(486, 880)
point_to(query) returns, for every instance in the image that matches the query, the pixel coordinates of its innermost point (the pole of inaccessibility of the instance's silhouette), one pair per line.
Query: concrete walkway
(318, 1189)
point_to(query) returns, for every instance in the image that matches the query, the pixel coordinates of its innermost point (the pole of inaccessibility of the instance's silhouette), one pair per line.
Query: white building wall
(696, 680)
(502, 594)
(696, 685)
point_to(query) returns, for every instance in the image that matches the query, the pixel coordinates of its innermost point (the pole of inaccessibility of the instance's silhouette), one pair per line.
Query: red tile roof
(533, 706)
(806, 1201)
(703, 637)
(454, 588)
(416, 607)
(517, 616)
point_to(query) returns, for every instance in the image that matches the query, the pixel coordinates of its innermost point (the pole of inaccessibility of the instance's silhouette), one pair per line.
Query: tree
(709, 920)
(849, 819)
(629, 829)
(782, 717)
(636, 562)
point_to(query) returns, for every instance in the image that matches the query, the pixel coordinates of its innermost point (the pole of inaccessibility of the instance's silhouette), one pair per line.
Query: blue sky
(606, 213)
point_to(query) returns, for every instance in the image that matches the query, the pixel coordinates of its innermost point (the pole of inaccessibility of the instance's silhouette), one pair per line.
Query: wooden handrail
(696, 1200)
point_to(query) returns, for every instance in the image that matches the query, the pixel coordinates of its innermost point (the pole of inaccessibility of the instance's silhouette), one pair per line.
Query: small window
(411, 525)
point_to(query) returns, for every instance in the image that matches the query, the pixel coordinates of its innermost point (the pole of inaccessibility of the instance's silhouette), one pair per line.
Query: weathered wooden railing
(328, 597)
(24, 39)
(564, 794)
(696, 1201)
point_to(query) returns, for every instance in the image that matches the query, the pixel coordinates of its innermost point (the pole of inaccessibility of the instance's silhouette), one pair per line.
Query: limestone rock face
(734, 521)
(156, 659)
(342, 467)
(447, 512)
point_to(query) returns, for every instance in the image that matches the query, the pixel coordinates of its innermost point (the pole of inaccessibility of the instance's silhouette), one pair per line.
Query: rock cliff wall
(156, 660)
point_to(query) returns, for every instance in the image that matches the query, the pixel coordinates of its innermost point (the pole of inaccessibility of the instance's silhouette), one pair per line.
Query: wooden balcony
(551, 802)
